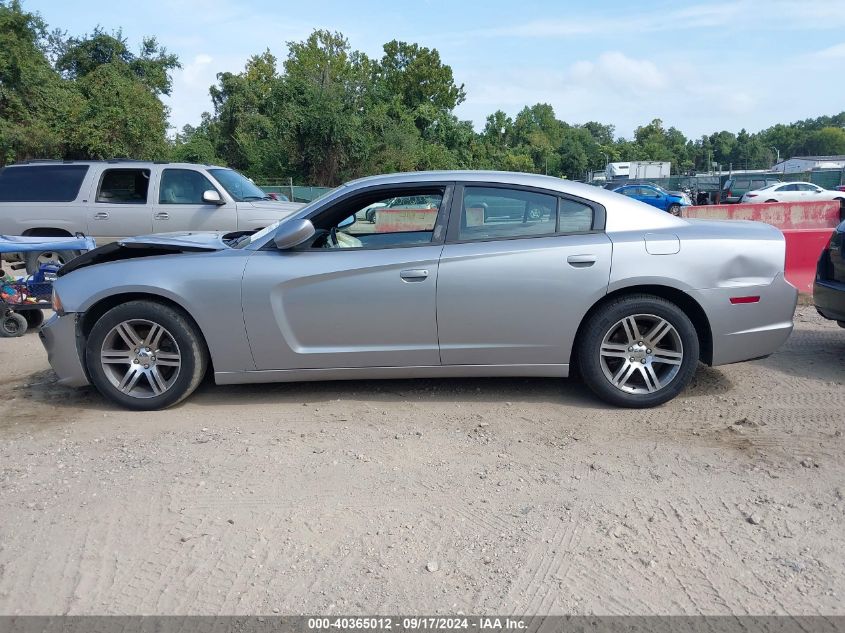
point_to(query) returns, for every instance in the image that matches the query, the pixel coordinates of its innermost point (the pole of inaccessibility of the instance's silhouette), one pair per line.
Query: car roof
(623, 213)
(577, 189)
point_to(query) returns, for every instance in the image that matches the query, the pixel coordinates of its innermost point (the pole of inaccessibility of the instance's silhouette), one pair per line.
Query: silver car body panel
(505, 307)
(60, 337)
(502, 302)
(343, 308)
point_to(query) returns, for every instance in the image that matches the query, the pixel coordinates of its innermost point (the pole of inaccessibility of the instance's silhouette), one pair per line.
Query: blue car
(656, 197)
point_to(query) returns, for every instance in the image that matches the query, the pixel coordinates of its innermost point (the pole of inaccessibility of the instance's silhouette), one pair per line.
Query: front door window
(381, 220)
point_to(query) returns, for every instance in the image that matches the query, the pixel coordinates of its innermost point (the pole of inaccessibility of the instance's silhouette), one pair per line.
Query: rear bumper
(829, 297)
(746, 331)
(60, 337)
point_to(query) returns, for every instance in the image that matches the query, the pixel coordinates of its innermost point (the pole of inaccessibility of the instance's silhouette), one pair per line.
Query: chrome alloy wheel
(50, 257)
(140, 358)
(641, 353)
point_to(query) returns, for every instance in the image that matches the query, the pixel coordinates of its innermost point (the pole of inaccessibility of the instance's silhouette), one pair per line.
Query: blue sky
(700, 66)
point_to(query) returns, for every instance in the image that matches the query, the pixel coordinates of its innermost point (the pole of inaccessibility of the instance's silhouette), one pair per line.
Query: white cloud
(833, 52)
(620, 72)
(196, 69)
(697, 16)
(627, 91)
(190, 97)
(739, 15)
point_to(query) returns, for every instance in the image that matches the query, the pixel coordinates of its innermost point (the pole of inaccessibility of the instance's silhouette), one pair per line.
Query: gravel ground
(519, 496)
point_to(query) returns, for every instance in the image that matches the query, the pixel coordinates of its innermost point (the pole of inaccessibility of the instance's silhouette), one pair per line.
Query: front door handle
(101, 215)
(414, 274)
(162, 215)
(581, 261)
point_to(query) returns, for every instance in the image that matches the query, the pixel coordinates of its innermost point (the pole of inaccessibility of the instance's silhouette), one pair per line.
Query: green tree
(36, 106)
(120, 118)
(417, 77)
(827, 141)
(76, 57)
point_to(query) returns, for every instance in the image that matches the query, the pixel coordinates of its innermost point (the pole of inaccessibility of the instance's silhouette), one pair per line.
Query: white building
(798, 164)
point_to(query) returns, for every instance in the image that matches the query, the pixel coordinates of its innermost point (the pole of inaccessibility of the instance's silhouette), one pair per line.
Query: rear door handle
(581, 261)
(414, 274)
(101, 215)
(162, 215)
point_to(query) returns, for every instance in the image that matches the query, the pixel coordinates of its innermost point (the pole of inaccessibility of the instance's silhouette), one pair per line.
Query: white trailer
(649, 169)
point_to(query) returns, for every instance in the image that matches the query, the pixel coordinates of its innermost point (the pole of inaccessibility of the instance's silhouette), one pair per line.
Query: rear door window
(41, 183)
(124, 186)
(492, 213)
(574, 216)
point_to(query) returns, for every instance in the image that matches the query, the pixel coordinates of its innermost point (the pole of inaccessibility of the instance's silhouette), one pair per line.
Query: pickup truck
(114, 199)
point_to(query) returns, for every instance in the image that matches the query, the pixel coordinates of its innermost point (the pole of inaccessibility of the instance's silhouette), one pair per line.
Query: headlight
(57, 303)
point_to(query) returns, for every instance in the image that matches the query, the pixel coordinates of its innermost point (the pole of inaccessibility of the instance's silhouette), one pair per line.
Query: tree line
(324, 114)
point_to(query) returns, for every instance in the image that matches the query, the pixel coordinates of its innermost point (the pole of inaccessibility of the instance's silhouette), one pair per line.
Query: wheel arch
(684, 301)
(46, 232)
(104, 304)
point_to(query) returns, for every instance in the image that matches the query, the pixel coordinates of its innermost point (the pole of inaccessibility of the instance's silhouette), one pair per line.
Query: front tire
(638, 351)
(145, 355)
(674, 209)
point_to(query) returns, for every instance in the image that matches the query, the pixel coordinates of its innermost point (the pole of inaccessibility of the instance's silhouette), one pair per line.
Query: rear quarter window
(43, 183)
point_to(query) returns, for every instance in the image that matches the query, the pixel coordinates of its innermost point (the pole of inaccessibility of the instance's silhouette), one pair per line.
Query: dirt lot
(430, 496)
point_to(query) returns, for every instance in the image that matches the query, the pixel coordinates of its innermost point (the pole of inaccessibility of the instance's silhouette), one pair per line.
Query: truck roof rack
(43, 160)
(111, 161)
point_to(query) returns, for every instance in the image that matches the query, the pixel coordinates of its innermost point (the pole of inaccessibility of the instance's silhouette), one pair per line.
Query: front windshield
(238, 186)
(246, 240)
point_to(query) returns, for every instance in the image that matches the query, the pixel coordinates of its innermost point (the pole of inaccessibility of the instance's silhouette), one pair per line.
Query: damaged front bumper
(61, 338)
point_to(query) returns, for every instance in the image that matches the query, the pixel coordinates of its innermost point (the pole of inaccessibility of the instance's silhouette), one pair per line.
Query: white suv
(110, 200)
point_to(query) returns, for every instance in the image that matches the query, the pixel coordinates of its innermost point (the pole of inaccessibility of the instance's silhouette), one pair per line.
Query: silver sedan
(499, 274)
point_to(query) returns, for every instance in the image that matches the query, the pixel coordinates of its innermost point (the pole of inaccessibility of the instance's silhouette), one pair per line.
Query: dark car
(736, 187)
(829, 288)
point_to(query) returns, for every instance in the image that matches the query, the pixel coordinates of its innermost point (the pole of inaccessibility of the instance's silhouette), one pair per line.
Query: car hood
(197, 240)
(150, 245)
(275, 207)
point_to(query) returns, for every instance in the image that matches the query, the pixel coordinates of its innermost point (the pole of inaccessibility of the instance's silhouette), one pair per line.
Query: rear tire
(771, 200)
(12, 324)
(145, 355)
(34, 260)
(656, 334)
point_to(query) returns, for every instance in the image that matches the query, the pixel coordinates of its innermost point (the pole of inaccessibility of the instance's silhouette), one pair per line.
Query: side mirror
(293, 233)
(347, 222)
(212, 197)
